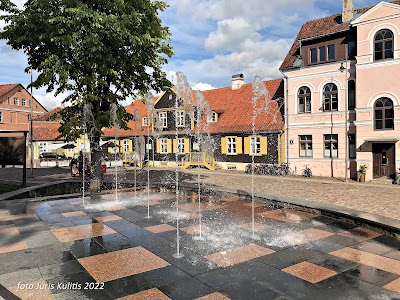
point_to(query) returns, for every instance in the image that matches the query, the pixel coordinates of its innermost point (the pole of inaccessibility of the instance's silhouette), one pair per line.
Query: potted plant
(361, 173)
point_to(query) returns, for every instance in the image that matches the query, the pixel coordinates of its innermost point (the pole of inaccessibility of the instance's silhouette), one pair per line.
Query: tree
(101, 51)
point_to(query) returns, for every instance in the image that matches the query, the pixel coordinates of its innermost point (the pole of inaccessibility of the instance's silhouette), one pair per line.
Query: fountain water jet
(114, 122)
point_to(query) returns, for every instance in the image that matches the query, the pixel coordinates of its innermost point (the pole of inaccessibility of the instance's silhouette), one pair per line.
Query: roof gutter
(321, 36)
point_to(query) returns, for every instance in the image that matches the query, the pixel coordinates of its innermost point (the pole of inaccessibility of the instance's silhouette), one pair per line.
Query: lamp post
(31, 127)
(343, 69)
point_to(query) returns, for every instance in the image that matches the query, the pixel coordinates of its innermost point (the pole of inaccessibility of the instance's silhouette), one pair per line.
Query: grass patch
(5, 188)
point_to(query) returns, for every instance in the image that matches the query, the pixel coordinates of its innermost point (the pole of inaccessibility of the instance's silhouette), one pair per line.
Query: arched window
(330, 97)
(304, 96)
(384, 114)
(383, 44)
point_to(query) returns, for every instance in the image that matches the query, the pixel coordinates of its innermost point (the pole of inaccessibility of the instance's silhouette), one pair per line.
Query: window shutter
(158, 146)
(169, 146)
(174, 145)
(187, 146)
(264, 145)
(239, 145)
(247, 140)
(223, 145)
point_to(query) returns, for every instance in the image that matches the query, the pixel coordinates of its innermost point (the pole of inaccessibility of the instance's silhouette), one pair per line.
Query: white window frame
(255, 145)
(42, 147)
(180, 118)
(23, 102)
(213, 117)
(9, 100)
(16, 101)
(163, 146)
(163, 119)
(307, 140)
(145, 121)
(180, 145)
(126, 145)
(231, 146)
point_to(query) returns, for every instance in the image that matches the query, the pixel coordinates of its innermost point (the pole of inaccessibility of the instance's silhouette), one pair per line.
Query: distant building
(15, 107)
(343, 93)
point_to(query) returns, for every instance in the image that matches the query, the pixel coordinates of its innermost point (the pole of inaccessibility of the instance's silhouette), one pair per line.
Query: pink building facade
(343, 93)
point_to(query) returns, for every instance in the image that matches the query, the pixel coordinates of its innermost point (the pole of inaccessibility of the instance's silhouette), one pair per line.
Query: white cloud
(49, 101)
(201, 86)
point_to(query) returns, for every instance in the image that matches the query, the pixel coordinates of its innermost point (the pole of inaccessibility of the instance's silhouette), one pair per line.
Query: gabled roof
(45, 131)
(319, 27)
(47, 116)
(5, 88)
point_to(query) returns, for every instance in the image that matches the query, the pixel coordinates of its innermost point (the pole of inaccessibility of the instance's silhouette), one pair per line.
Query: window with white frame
(163, 119)
(305, 146)
(145, 121)
(213, 117)
(15, 101)
(1, 116)
(181, 145)
(180, 118)
(255, 145)
(23, 102)
(126, 145)
(164, 146)
(42, 147)
(231, 145)
(8, 101)
(331, 145)
(304, 98)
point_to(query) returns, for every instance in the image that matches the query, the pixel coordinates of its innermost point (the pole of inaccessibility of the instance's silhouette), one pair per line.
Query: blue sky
(213, 39)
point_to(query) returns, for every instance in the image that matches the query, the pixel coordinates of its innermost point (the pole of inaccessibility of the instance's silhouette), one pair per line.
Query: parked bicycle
(307, 171)
(266, 169)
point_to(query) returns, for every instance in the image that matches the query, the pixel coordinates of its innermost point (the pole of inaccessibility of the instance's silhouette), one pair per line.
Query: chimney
(237, 81)
(348, 10)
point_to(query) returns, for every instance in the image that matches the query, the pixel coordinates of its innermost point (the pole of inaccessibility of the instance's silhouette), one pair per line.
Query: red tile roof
(5, 88)
(47, 116)
(45, 131)
(319, 27)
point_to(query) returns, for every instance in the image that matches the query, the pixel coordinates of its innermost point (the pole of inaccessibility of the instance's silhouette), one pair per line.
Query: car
(51, 155)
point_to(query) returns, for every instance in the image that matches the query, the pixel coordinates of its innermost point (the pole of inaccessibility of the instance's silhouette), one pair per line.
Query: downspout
(286, 100)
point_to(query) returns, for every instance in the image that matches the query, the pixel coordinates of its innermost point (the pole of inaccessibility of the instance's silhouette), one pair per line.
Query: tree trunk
(96, 179)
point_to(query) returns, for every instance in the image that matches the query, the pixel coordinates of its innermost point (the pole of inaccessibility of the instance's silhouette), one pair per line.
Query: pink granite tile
(238, 255)
(152, 294)
(160, 228)
(259, 227)
(214, 296)
(362, 234)
(13, 247)
(123, 263)
(369, 259)
(309, 272)
(393, 286)
(195, 229)
(195, 206)
(8, 230)
(108, 218)
(67, 234)
(40, 290)
(74, 214)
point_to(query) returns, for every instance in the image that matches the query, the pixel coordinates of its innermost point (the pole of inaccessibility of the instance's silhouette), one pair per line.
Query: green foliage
(101, 51)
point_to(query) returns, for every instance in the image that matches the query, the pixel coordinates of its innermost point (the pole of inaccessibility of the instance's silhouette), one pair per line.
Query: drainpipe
(286, 101)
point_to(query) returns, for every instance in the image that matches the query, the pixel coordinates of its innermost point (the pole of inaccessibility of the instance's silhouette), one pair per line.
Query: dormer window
(213, 117)
(322, 54)
(145, 121)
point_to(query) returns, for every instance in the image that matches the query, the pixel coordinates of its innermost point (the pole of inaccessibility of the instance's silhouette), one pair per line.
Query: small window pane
(322, 53)
(388, 54)
(331, 52)
(378, 114)
(314, 58)
(379, 46)
(388, 113)
(388, 45)
(389, 124)
(378, 124)
(379, 37)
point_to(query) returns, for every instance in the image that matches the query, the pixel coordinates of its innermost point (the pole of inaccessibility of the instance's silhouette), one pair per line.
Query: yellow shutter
(239, 145)
(175, 145)
(247, 145)
(187, 146)
(264, 145)
(158, 145)
(169, 146)
(130, 143)
(223, 145)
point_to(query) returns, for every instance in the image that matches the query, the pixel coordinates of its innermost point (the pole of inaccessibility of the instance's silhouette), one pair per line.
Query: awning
(382, 140)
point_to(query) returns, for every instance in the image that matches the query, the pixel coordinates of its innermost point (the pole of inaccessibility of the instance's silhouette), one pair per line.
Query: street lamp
(343, 69)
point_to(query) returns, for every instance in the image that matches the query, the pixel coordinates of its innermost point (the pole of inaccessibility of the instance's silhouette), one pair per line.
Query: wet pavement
(62, 249)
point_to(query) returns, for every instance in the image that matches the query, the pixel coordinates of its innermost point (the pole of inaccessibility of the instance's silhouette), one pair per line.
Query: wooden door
(391, 160)
(383, 160)
(377, 160)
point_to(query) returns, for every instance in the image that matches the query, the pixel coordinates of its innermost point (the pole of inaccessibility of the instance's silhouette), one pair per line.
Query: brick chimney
(237, 81)
(348, 11)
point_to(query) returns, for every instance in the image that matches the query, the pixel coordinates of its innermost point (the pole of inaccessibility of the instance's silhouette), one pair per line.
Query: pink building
(343, 93)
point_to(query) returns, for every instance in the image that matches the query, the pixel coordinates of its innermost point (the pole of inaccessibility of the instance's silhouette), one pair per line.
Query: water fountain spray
(149, 100)
(114, 122)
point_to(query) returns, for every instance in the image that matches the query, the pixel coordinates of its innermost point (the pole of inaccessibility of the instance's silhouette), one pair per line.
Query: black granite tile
(250, 290)
(33, 258)
(332, 243)
(27, 230)
(333, 263)
(114, 242)
(371, 275)
(373, 247)
(143, 281)
(85, 247)
(56, 270)
(290, 256)
(39, 239)
(6, 294)
(394, 254)
(28, 222)
(86, 220)
(389, 241)
(61, 225)
(355, 288)
(188, 288)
